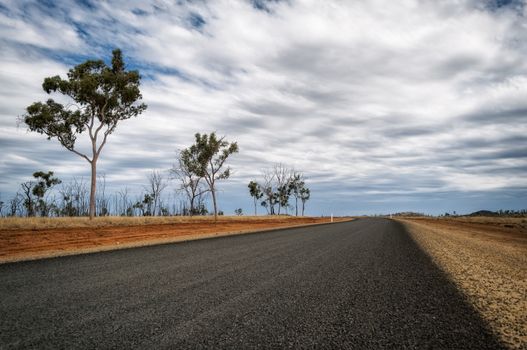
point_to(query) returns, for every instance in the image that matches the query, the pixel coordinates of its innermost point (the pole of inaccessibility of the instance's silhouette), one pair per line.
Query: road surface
(361, 284)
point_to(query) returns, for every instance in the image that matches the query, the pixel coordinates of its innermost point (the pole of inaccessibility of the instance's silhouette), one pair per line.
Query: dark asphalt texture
(358, 285)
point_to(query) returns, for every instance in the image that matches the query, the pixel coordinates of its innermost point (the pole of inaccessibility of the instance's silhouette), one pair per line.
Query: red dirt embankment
(23, 243)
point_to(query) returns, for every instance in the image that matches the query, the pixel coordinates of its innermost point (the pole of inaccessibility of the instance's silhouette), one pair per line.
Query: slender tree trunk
(303, 208)
(192, 205)
(214, 203)
(93, 187)
(296, 206)
(255, 214)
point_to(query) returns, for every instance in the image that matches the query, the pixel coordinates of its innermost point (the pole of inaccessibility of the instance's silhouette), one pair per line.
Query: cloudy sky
(384, 105)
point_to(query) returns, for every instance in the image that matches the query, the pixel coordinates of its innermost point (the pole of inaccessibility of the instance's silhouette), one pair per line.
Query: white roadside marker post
(331, 217)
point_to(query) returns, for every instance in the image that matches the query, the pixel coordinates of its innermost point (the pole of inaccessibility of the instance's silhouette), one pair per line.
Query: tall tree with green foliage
(102, 96)
(305, 194)
(296, 183)
(255, 190)
(211, 154)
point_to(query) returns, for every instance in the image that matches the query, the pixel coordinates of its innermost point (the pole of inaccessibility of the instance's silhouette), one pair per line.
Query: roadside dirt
(488, 263)
(28, 244)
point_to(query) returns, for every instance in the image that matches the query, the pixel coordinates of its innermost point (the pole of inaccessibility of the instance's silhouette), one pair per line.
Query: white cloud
(389, 95)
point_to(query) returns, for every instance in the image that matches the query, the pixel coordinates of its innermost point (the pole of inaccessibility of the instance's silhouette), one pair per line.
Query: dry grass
(481, 219)
(38, 223)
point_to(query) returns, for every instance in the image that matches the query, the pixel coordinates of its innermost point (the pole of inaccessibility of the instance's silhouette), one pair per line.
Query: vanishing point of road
(358, 285)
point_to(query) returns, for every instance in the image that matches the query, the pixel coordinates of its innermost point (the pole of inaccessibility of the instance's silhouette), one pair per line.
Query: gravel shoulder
(488, 263)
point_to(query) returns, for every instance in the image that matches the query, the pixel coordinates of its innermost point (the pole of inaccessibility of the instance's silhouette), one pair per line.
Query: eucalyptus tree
(305, 194)
(190, 183)
(270, 196)
(296, 183)
(102, 96)
(255, 190)
(45, 181)
(282, 174)
(35, 190)
(211, 154)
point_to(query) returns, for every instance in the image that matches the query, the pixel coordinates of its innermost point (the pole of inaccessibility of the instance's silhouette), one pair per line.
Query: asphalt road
(362, 284)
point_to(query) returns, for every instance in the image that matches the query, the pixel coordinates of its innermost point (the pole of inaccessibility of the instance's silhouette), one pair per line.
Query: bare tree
(74, 196)
(156, 186)
(15, 205)
(80, 190)
(269, 192)
(29, 200)
(102, 203)
(282, 175)
(125, 206)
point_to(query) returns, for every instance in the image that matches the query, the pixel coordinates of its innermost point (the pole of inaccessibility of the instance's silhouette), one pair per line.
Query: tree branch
(80, 154)
(106, 133)
(103, 117)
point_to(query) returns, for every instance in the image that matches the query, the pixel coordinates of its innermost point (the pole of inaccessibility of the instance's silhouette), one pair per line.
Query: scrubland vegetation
(102, 96)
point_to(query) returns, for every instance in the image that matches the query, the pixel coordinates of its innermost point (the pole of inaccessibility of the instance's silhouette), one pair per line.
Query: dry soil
(25, 244)
(487, 259)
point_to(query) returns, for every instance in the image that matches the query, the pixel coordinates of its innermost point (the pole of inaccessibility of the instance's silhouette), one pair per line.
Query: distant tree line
(101, 96)
(198, 169)
(279, 186)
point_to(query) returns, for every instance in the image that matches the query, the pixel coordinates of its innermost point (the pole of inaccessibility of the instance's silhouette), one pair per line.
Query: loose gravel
(489, 268)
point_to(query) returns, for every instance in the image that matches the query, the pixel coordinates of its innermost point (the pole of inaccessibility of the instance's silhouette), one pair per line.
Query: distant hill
(408, 213)
(483, 213)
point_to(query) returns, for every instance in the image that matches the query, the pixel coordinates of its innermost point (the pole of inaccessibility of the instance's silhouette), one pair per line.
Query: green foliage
(210, 153)
(44, 182)
(305, 194)
(107, 94)
(102, 96)
(283, 195)
(34, 192)
(255, 190)
(280, 184)
(145, 205)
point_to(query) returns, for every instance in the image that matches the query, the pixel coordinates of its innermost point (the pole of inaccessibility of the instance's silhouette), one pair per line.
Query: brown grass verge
(487, 259)
(81, 235)
(37, 223)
